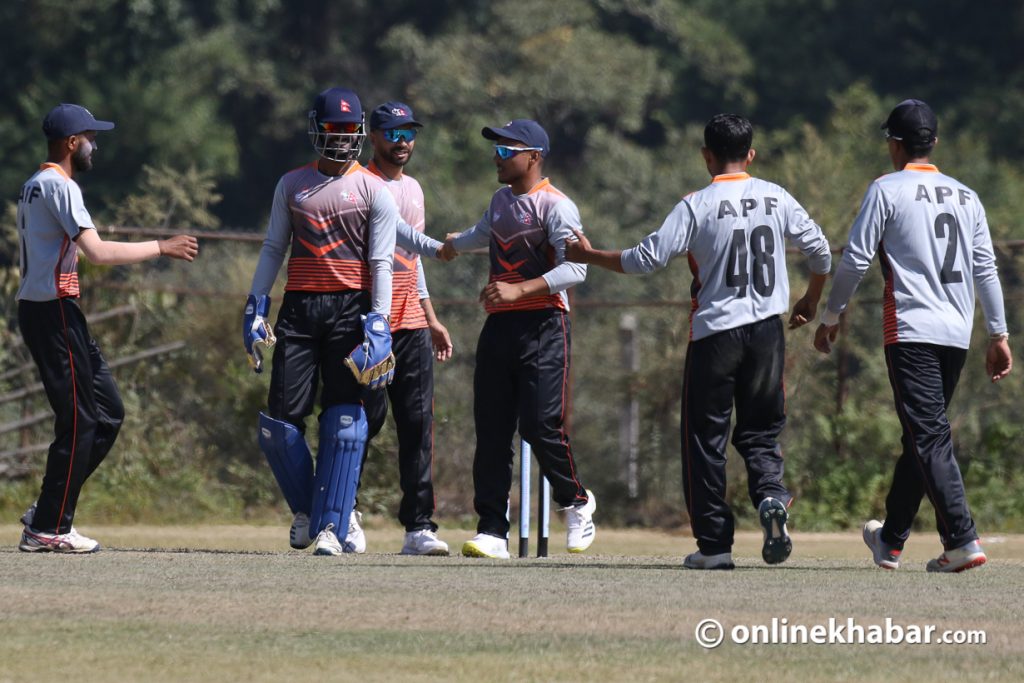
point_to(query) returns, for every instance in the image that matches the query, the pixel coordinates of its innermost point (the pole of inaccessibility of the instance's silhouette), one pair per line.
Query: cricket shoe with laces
(423, 542)
(579, 525)
(485, 545)
(327, 543)
(298, 536)
(33, 541)
(960, 559)
(885, 555)
(355, 539)
(699, 560)
(777, 543)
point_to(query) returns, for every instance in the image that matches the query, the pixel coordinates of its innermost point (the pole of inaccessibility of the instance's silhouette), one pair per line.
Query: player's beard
(81, 160)
(397, 160)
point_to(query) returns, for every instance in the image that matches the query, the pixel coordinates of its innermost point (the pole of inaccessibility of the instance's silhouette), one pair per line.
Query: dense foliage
(210, 99)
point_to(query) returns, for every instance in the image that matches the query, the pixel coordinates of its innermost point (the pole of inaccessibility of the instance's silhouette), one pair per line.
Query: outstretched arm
(581, 251)
(184, 247)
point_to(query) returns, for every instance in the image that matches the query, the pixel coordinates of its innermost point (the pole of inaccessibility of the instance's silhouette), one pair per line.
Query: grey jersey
(51, 215)
(934, 246)
(734, 233)
(526, 238)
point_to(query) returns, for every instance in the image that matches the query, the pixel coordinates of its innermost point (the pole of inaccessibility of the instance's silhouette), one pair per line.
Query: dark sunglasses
(396, 134)
(507, 152)
(332, 127)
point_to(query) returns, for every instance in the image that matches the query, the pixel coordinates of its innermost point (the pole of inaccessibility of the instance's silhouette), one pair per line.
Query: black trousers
(315, 333)
(742, 366)
(923, 378)
(412, 402)
(85, 400)
(521, 378)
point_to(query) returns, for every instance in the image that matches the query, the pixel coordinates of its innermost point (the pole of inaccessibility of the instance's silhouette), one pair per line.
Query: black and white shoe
(777, 543)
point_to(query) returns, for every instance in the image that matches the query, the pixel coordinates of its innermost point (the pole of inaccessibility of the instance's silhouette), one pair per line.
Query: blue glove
(372, 362)
(256, 332)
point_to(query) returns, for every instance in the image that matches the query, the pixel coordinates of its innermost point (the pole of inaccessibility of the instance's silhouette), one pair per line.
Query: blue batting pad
(343, 436)
(290, 461)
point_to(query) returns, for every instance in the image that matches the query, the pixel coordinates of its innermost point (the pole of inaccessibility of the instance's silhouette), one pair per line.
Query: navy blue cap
(65, 120)
(913, 121)
(338, 105)
(392, 115)
(526, 131)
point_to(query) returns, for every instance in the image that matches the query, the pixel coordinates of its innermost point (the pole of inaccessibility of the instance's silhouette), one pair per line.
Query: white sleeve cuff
(829, 318)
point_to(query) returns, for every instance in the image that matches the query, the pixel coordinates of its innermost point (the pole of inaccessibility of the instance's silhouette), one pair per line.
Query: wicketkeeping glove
(372, 362)
(256, 332)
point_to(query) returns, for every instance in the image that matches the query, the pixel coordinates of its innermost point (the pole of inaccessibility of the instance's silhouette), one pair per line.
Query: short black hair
(728, 137)
(918, 149)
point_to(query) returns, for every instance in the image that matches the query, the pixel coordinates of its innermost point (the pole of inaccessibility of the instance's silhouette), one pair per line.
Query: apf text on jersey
(747, 204)
(28, 193)
(941, 193)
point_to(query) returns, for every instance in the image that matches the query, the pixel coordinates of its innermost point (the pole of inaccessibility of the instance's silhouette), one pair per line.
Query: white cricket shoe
(579, 525)
(355, 540)
(485, 545)
(298, 536)
(699, 560)
(885, 555)
(327, 543)
(33, 541)
(423, 542)
(959, 559)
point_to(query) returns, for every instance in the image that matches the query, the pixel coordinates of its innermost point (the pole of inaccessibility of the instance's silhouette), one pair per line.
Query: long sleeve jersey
(525, 235)
(341, 230)
(933, 242)
(734, 233)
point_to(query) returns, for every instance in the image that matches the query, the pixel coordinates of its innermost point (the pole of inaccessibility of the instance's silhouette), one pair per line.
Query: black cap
(392, 115)
(65, 120)
(338, 105)
(912, 121)
(526, 131)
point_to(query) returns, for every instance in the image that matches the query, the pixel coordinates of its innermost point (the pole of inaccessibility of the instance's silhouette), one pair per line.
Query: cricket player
(340, 222)
(417, 336)
(733, 233)
(53, 225)
(522, 357)
(933, 243)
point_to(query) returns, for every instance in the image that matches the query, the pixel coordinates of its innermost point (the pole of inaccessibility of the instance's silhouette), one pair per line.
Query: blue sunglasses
(507, 152)
(396, 134)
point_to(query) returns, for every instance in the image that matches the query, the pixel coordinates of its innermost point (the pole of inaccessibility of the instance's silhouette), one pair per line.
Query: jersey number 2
(946, 222)
(762, 246)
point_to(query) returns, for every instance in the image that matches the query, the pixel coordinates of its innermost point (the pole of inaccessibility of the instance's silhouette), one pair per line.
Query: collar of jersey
(729, 177)
(55, 167)
(924, 168)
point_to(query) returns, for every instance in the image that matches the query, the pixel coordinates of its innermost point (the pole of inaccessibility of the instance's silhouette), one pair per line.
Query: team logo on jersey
(345, 106)
(522, 215)
(417, 204)
(349, 197)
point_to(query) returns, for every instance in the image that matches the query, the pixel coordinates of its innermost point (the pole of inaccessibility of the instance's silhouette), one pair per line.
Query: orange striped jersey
(408, 283)
(341, 230)
(51, 216)
(526, 237)
(733, 232)
(933, 242)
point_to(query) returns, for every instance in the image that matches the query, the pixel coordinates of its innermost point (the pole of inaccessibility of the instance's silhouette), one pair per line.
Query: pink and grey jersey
(408, 282)
(51, 216)
(734, 233)
(341, 230)
(526, 237)
(933, 242)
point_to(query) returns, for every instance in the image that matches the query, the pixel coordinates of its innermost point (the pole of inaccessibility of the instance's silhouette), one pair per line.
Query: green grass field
(233, 603)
